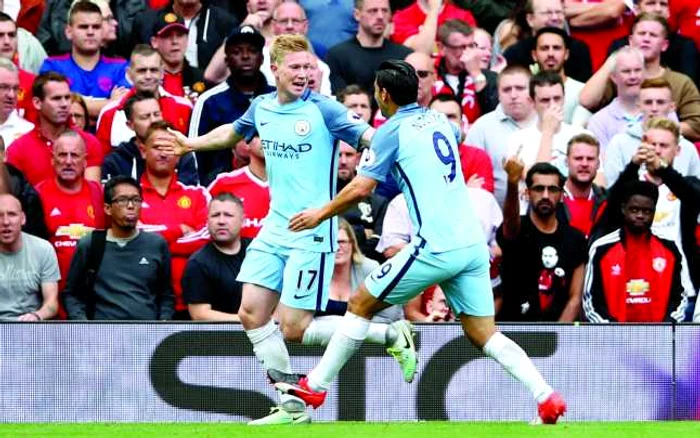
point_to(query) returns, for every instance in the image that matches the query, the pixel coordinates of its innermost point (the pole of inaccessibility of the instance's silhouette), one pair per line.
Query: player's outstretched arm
(223, 137)
(359, 188)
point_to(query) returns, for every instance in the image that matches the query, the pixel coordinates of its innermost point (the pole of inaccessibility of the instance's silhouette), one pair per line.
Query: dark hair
(84, 7)
(5, 18)
(399, 78)
(227, 197)
(159, 125)
(641, 188)
(138, 97)
(44, 78)
(543, 79)
(555, 30)
(453, 26)
(111, 185)
(444, 98)
(543, 169)
(352, 90)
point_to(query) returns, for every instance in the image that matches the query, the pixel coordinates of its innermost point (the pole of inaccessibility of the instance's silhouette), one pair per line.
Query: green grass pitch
(358, 430)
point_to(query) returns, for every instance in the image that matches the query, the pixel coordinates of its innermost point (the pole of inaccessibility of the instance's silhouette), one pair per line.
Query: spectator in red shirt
(633, 275)
(175, 211)
(170, 40)
(141, 110)
(8, 49)
(417, 25)
(249, 184)
(583, 201)
(145, 71)
(72, 204)
(32, 152)
(475, 162)
(598, 23)
(685, 16)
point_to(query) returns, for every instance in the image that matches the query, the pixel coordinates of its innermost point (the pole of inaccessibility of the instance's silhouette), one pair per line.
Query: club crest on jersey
(170, 18)
(368, 158)
(91, 212)
(184, 202)
(302, 127)
(354, 117)
(659, 264)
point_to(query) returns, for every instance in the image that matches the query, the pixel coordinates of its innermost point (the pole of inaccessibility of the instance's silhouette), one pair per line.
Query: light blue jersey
(300, 142)
(419, 148)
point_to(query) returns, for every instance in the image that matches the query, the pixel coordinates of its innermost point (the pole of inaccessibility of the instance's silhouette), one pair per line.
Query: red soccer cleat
(298, 386)
(551, 409)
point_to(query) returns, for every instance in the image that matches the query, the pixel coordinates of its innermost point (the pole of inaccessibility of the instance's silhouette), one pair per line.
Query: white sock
(514, 360)
(320, 331)
(271, 351)
(343, 345)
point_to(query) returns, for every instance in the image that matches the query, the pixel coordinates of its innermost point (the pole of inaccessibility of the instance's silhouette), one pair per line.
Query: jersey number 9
(448, 159)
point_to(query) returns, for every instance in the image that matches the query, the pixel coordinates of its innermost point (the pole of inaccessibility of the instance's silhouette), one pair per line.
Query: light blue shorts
(302, 278)
(463, 275)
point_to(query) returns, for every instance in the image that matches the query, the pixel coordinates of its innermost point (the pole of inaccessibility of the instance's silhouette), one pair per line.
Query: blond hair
(664, 124)
(357, 256)
(285, 44)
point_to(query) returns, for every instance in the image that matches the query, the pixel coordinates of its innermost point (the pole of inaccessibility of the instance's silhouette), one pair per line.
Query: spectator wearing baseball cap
(170, 39)
(230, 99)
(208, 26)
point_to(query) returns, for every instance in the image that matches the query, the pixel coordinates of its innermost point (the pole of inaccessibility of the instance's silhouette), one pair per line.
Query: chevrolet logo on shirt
(74, 231)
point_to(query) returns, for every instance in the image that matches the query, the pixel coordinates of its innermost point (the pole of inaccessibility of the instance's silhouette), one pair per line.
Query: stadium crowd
(581, 142)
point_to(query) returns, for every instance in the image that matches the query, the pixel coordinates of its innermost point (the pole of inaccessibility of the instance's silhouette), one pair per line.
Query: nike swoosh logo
(263, 123)
(408, 344)
(301, 296)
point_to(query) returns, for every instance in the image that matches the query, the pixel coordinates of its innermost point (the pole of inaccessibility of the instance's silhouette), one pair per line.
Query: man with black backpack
(120, 273)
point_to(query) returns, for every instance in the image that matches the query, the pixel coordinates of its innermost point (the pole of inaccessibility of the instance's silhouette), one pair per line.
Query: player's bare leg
(481, 332)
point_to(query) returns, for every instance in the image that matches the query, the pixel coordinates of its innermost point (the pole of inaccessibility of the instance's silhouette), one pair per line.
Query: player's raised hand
(180, 144)
(305, 220)
(514, 168)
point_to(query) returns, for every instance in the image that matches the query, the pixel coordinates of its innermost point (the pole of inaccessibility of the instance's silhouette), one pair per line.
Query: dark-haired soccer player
(446, 250)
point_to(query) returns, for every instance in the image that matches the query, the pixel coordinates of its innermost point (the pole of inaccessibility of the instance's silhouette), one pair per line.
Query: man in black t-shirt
(543, 259)
(209, 284)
